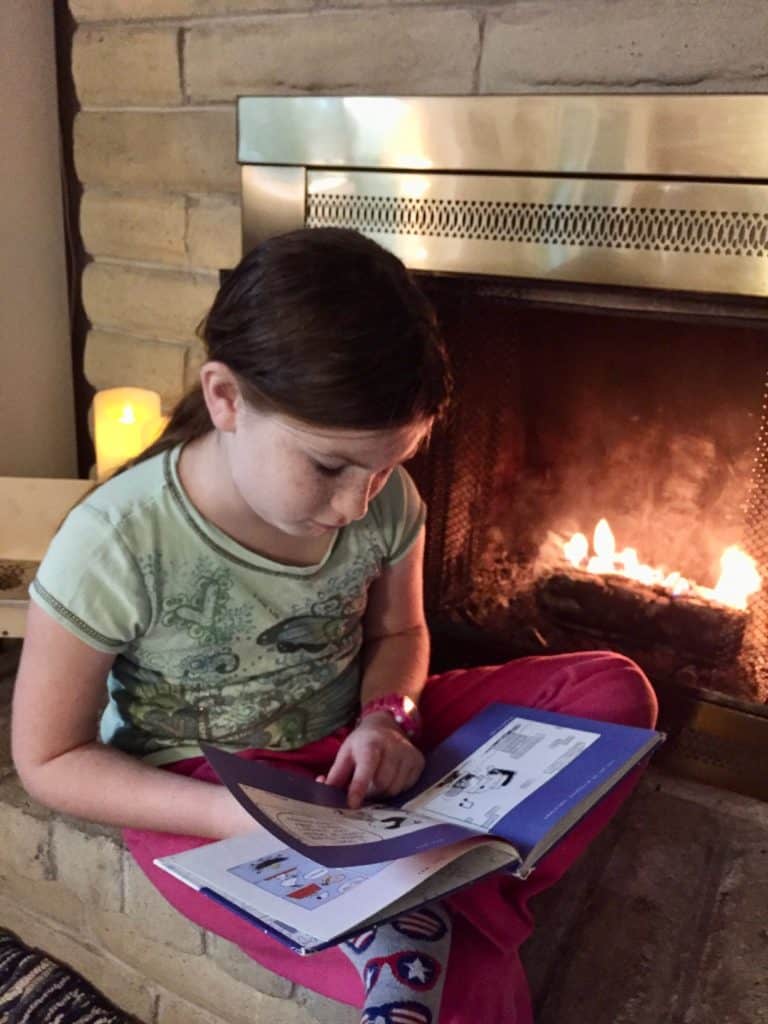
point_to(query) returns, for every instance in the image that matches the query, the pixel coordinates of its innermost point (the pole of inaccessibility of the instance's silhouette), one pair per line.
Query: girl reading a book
(254, 580)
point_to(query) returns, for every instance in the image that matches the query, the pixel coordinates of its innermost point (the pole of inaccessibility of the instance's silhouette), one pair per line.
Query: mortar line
(483, 17)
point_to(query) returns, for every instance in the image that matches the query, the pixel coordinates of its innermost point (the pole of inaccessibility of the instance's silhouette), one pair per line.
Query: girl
(254, 579)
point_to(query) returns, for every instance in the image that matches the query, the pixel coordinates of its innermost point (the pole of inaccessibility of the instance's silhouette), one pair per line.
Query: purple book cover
(511, 773)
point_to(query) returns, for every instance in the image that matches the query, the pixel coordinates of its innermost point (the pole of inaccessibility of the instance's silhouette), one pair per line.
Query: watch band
(402, 709)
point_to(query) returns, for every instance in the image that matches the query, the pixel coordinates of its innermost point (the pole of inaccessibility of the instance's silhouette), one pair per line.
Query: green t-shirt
(213, 641)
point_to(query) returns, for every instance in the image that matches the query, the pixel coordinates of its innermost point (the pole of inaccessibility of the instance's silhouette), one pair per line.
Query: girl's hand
(376, 757)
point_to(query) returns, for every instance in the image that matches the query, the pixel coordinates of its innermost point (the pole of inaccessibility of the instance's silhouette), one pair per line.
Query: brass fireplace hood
(667, 192)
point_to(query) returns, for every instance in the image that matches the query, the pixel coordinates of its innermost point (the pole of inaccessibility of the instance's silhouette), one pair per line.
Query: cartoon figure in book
(293, 877)
(461, 781)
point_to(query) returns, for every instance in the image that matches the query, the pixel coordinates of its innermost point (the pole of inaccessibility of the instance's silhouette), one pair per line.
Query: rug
(36, 989)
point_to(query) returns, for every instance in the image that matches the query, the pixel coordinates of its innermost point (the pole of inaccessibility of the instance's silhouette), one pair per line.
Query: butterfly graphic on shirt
(309, 633)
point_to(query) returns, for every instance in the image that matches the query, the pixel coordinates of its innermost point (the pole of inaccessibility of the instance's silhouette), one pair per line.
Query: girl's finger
(341, 770)
(364, 773)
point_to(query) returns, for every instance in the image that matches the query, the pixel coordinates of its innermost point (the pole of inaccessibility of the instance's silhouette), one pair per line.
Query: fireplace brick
(112, 358)
(620, 44)
(128, 988)
(140, 903)
(134, 227)
(197, 979)
(165, 304)
(48, 898)
(25, 830)
(434, 51)
(213, 232)
(180, 150)
(88, 864)
(104, 10)
(242, 968)
(134, 66)
(198, 231)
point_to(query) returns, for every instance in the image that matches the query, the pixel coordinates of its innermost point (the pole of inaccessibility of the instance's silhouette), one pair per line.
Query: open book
(495, 795)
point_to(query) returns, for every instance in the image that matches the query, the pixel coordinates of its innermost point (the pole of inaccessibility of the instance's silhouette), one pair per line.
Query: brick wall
(155, 140)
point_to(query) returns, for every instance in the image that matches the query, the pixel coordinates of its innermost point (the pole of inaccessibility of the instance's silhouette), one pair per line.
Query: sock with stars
(402, 965)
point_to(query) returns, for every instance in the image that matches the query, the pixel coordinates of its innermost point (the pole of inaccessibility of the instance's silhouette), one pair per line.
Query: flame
(739, 578)
(576, 549)
(127, 415)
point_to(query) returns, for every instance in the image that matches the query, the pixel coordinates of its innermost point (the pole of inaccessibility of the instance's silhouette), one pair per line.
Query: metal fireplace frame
(666, 192)
(661, 192)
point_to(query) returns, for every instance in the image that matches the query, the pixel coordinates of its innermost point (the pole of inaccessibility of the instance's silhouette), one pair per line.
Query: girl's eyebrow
(360, 465)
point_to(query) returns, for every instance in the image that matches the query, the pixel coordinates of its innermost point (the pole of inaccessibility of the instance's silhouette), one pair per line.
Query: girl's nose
(352, 501)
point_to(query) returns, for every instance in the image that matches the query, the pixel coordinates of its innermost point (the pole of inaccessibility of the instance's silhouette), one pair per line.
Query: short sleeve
(400, 514)
(91, 584)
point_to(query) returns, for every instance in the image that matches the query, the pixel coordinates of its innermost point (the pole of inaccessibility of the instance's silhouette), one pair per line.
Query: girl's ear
(222, 395)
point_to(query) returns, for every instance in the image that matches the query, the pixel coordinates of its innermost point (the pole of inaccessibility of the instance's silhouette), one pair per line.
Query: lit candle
(152, 430)
(121, 418)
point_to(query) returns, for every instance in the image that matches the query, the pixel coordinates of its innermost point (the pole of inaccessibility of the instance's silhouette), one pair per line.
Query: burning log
(629, 613)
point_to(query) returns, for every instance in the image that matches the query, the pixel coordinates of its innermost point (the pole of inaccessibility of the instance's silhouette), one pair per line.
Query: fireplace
(566, 417)
(598, 264)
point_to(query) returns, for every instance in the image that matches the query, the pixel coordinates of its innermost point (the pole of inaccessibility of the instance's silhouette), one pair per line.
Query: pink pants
(485, 982)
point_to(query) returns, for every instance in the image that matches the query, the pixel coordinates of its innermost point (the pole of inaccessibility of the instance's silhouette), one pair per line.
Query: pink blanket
(485, 981)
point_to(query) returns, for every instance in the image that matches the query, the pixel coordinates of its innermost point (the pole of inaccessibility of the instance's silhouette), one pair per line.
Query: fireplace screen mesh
(563, 419)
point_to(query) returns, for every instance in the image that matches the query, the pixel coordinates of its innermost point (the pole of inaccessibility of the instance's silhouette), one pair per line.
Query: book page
(516, 761)
(312, 825)
(308, 901)
(299, 881)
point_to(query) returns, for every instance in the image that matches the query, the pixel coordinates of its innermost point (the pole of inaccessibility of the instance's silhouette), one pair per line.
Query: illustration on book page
(512, 764)
(301, 881)
(334, 826)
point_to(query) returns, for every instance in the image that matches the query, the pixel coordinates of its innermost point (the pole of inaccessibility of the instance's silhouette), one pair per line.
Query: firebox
(598, 265)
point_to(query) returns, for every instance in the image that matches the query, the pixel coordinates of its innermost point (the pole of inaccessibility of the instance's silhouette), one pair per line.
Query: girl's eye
(328, 470)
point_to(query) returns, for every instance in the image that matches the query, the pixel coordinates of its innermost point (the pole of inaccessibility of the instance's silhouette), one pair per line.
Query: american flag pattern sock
(402, 966)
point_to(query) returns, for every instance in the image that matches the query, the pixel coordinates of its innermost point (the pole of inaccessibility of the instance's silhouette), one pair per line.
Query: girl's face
(306, 481)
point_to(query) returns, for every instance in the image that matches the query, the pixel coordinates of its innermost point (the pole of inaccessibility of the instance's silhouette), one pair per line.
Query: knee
(623, 690)
(612, 688)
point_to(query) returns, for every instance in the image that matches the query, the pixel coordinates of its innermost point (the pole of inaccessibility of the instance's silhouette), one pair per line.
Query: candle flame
(127, 415)
(739, 578)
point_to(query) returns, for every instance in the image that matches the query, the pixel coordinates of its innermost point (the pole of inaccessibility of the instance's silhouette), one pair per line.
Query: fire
(739, 578)
(127, 415)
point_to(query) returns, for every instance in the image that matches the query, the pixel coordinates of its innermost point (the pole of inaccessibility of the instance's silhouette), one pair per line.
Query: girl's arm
(58, 696)
(396, 639)
(377, 756)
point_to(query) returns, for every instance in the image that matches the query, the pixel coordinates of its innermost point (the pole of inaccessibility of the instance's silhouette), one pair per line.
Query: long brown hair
(327, 327)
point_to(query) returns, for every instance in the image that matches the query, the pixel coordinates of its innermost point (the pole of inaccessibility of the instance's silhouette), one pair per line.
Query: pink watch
(402, 709)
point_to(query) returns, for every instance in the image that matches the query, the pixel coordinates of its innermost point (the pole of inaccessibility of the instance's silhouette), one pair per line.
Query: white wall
(37, 426)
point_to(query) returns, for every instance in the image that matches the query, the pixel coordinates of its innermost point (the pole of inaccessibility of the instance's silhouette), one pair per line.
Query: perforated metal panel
(726, 232)
(689, 236)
